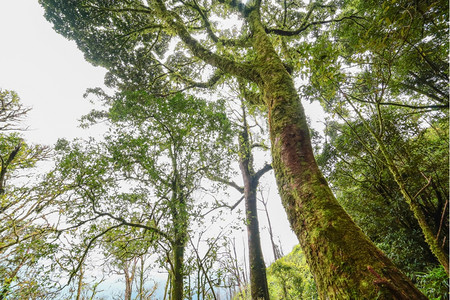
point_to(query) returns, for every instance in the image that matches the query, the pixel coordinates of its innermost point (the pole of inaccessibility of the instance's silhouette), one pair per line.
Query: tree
(258, 279)
(24, 228)
(144, 175)
(393, 73)
(251, 178)
(131, 262)
(290, 278)
(127, 37)
(356, 171)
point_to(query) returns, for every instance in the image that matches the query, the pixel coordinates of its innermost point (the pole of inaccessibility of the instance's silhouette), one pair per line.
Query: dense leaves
(366, 188)
(290, 278)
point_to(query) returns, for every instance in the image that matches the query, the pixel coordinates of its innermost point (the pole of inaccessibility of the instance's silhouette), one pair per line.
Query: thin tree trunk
(180, 223)
(177, 272)
(166, 288)
(258, 279)
(141, 278)
(129, 276)
(427, 231)
(80, 283)
(276, 251)
(6, 284)
(202, 269)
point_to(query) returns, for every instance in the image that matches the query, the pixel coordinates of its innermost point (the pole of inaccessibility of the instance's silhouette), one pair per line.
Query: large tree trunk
(345, 263)
(258, 279)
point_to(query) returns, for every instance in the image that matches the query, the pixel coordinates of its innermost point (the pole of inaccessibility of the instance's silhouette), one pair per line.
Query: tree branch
(137, 225)
(401, 104)
(86, 250)
(5, 166)
(210, 32)
(282, 32)
(237, 203)
(236, 4)
(267, 167)
(227, 182)
(215, 77)
(422, 92)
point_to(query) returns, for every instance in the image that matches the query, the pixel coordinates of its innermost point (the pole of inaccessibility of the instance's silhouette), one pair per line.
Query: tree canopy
(271, 43)
(367, 198)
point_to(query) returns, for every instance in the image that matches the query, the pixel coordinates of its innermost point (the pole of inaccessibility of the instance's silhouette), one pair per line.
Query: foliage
(434, 283)
(275, 42)
(135, 192)
(380, 210)
(290, 278)
(397, 46)
(384, 84)
(25, 243)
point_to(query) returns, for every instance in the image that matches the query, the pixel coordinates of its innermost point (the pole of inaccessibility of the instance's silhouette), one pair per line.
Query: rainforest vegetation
(204, 104)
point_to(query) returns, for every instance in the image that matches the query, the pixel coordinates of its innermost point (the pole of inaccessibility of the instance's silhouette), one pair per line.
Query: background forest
(201, 122)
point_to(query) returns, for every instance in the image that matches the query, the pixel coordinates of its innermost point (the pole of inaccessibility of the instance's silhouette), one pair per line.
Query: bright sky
(50, 75)
(47, 71)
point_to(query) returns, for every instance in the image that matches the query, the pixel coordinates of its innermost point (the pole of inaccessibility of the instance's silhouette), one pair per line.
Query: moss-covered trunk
(258, 279)
(177, 272)
(180, 221)
(345, 263)
(178, 246)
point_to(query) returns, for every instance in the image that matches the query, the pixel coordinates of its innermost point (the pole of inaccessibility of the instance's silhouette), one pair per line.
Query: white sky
(50, 75)
(47, 71)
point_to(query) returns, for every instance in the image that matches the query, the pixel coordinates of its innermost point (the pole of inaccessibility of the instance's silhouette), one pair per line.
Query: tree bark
(177, 272)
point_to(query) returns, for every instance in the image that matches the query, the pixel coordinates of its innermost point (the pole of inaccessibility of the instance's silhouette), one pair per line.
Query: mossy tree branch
(229, 66)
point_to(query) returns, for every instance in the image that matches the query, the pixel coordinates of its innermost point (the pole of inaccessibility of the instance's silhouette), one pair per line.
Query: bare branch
(227, 182)
(264, 170)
